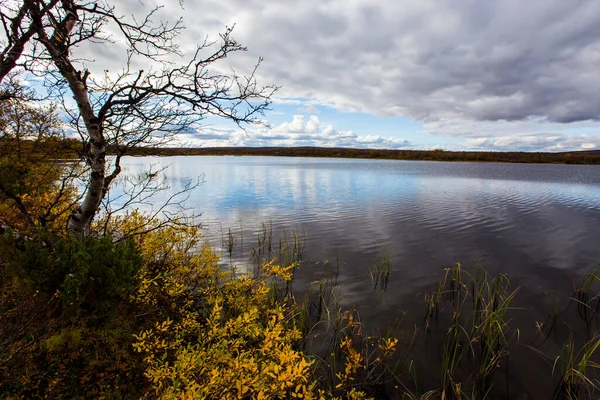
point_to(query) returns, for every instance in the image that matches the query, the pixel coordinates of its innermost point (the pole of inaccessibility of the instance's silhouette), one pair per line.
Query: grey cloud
(477, 60)
(309, 109)
(297, 133)
(526, 127)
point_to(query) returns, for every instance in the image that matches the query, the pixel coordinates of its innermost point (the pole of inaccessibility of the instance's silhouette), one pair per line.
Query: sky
(506, 75)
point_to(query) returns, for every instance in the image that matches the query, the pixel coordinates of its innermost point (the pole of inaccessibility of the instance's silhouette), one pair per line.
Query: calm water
(517, 218)
(538, 223)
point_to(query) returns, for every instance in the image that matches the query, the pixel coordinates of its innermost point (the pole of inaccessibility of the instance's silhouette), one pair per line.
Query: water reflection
(521, 219)
(538, 223)
(426, 214)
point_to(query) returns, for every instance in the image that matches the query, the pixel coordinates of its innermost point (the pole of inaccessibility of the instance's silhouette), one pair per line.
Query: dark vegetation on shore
(574, 157)
(71, 148)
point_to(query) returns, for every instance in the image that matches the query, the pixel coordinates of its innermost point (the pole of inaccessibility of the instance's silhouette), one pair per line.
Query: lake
(538, 223)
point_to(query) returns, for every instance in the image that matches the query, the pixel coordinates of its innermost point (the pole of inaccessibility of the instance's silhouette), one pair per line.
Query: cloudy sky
(451, 74)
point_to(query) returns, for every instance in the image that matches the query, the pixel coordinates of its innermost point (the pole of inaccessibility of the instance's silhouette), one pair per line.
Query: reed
(347, 360)
(287, 250)
(230, 243)
(470, 311)
(586, 296)
(478, 332)
(545, 329)
(579, 373)
(380, 273)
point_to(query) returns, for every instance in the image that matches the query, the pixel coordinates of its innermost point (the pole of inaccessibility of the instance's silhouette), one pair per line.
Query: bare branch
(19, 29)
(133, 108)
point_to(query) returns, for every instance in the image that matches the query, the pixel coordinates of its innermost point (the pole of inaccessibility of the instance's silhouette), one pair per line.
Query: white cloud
(309, 131)
(498, 59)
(312, 126)
(298, 132)
(531, 134)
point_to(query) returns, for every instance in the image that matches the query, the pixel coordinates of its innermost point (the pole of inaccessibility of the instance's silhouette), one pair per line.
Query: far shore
(574, 157)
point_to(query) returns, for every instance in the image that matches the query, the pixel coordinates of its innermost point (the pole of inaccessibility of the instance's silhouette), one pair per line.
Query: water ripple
(425, 215)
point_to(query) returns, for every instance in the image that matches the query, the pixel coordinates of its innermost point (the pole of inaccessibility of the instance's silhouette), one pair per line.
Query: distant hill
(573, 157)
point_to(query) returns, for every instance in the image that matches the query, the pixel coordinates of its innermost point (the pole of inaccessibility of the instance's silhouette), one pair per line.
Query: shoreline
(581, 157)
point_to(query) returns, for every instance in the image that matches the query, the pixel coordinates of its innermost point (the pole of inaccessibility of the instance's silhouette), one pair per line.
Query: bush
(84, 276)
(65, 320)
(152, 316)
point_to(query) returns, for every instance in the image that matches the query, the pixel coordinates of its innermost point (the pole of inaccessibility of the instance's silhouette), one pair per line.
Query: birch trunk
(81, 218)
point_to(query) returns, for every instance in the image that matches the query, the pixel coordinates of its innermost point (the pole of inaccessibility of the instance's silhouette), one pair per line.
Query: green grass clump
(478, 329)
(380, 273)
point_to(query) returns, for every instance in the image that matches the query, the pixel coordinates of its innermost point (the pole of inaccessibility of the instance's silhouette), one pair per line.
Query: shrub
(65, 323)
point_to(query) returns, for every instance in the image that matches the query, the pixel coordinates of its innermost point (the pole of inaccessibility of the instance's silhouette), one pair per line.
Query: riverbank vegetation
(574, 157)
(72, 147)
(143, 308)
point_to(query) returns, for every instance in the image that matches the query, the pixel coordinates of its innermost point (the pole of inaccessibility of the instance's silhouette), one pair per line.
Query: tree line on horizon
(72, 148)
(575, 157)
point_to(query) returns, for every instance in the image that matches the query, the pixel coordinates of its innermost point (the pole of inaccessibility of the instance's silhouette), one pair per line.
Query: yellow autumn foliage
(284, 273)
(36, 184)
(223, 336)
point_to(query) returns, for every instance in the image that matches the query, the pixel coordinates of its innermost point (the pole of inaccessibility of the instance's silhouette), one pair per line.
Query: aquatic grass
(586, 296)
(286, 251)
(320, 318)
(380, 273)
(549, 326)
(370, 363)
(290, 250)
(492, 332)
(230, 243)
(478, 335)
(319, 310)
(329, 271)
(394, 369)
(579, 373)
(345, 356)
(472, 309)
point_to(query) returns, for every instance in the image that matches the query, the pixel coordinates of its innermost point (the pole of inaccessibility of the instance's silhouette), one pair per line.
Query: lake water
(525, 219)
(538, 223)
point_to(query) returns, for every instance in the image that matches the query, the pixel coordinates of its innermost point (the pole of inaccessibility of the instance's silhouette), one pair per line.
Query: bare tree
(131, 108)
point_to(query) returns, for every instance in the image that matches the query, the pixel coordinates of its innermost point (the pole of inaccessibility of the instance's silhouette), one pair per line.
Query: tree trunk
(81, 218)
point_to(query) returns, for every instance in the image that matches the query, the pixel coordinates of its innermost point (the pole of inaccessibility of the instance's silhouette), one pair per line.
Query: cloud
(491, 60)
(300, 131)
(537, 142)
(470, 69)
(309, 109)
(477, 60)
(531, 134)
